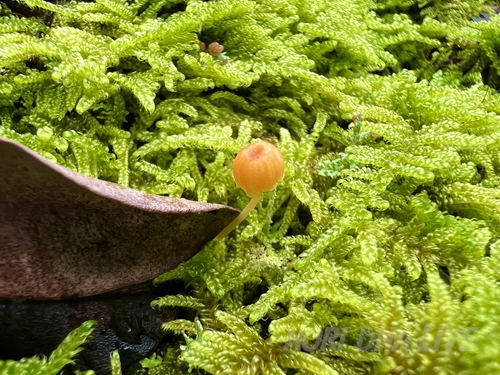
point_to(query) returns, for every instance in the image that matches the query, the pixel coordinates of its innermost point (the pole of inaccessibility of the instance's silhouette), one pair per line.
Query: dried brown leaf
(65, 235)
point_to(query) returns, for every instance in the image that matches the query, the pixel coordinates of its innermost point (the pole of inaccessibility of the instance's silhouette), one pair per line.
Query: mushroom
(257, 169)
(215, 49)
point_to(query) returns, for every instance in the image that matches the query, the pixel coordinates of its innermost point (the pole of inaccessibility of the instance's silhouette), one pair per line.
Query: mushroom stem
(243, 214)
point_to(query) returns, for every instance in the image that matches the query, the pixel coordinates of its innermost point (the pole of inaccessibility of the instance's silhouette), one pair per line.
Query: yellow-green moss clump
(387, 223)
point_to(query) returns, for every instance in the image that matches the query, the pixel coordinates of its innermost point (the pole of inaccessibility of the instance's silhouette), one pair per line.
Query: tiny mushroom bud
(257, 169)
(215, 48)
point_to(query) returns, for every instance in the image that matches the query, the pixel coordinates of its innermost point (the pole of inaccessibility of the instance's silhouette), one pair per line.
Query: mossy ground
(388, 116)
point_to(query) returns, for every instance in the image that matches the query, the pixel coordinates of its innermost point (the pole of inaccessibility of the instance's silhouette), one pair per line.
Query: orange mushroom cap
(258, 168)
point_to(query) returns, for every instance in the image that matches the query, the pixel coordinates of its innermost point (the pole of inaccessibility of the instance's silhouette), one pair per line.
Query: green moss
(387, 113)
(60, 357)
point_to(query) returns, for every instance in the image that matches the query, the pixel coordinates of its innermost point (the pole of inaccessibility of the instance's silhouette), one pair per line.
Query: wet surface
(125, 321)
